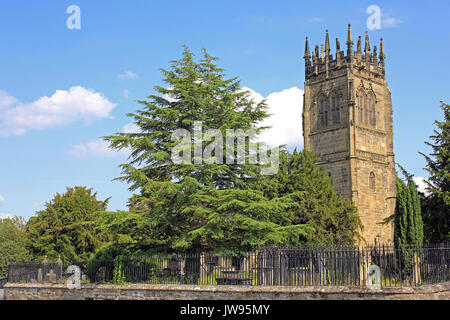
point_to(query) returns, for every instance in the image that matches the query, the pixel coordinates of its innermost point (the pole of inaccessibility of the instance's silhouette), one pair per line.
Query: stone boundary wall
(33, 291)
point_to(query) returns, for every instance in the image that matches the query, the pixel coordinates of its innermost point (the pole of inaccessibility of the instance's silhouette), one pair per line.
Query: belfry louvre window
(366, 112)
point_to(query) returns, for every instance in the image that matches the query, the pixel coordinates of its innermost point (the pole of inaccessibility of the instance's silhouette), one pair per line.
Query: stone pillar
(59, 269)
(44, 270)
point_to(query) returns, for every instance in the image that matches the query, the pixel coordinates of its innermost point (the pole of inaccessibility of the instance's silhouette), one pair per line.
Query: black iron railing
(379, 265)
(3, 281)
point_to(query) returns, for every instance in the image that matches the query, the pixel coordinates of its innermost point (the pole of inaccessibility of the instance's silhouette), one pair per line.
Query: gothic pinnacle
(358, 48)
(338, 52)
(321, 53)
(382, 55)
(349, 43)
(367, 48)
(307, 55)
(327, 44)
(349, 36)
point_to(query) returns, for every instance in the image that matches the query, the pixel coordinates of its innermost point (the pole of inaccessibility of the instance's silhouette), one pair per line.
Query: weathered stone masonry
(347, 122)
(35, 291)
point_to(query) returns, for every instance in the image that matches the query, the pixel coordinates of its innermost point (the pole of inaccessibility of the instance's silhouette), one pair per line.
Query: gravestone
(50, 277)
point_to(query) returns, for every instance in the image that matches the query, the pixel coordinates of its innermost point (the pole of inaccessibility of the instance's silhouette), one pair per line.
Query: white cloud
(1, 199)
(389, 21)
(126, 94)
(62, 108)
(421, 184)
(316, 20)
(6, 100)
(36, 204)
(285, 108)
(127, 75)
(99, 148)
(131, 128)
(5, 216)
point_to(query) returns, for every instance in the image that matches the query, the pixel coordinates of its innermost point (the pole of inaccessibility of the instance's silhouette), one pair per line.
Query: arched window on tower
(360, 107)
(366, 111)
(335, 108)
(372, 112)
(372, 181)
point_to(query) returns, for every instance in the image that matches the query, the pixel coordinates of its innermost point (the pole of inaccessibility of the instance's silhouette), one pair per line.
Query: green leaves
(408, 226)
(187, 217)
(12, 243)
(65, 227)
(436, 204)
(194, 91)
(201, 206)
(312, 200)
(296, 206)
(241, 220)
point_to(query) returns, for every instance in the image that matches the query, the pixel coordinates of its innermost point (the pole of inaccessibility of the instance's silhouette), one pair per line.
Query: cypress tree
(408, 227)
(418, 223)
(401, 216)
(408, 230)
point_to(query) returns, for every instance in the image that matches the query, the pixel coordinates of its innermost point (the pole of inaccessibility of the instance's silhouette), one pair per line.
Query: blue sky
(114, 58)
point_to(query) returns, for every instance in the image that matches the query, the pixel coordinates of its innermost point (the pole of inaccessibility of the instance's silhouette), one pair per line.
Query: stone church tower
(347, 122)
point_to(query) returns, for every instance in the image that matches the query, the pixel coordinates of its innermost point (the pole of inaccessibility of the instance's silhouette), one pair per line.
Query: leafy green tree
(409, 219)
(19, 222)
(190, 217)
(207, 205)
(176, 199)
(408, 225)
(238, 220)
(316, 203)
(401, 215)
(297, 206)
(157, 220)
(194, 91)
(12, 243)
(436, 204)
(66, 226)
(118, 275)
